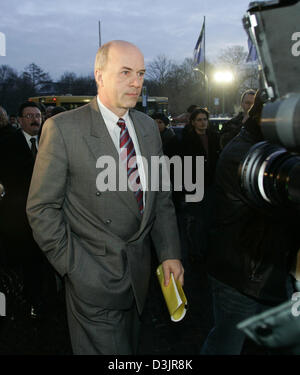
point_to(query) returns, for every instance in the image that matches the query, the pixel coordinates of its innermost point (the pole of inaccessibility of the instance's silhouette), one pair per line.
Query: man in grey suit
(99, 240)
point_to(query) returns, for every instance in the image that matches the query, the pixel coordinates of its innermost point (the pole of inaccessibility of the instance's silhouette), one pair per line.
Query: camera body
(270, 172)
(273, 27)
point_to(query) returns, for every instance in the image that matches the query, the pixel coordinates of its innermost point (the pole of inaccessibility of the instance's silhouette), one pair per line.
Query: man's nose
(137, 81)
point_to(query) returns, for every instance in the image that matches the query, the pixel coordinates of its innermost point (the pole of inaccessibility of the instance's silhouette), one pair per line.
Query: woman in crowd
(200, 140)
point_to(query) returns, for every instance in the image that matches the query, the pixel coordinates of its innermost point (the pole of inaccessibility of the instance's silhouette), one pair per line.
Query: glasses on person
(31, 116)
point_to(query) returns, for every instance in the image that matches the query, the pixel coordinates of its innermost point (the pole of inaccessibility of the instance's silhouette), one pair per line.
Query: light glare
(223, 76)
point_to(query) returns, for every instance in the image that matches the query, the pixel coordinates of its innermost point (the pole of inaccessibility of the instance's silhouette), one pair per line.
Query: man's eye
(141, 74)
(125, 72)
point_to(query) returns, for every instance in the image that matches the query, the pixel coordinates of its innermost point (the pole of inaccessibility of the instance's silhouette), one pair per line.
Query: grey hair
(102, 56)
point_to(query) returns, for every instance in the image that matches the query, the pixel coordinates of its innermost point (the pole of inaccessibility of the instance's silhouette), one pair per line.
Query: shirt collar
(108, 115)
(28, 136)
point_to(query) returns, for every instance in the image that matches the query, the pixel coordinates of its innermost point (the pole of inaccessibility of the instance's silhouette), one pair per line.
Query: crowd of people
(58, 229)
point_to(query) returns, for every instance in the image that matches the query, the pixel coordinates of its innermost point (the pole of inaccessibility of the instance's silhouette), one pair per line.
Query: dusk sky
(62, 35)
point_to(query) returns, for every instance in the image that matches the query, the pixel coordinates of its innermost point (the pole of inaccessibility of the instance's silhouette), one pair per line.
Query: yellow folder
(174, 296)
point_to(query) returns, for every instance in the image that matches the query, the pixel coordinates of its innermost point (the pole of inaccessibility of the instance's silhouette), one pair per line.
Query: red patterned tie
(128, 156)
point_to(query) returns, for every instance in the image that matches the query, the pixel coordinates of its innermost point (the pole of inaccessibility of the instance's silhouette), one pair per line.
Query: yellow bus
(154, 103)
(66, 101)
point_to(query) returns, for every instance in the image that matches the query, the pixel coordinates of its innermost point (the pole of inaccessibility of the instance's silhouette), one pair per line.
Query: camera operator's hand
(252, 124)
(256, 110)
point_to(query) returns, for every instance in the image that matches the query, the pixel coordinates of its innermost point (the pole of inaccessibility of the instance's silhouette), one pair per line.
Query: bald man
(99, 239)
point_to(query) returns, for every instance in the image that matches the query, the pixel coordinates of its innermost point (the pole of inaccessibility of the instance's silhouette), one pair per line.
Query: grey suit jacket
(98, 240)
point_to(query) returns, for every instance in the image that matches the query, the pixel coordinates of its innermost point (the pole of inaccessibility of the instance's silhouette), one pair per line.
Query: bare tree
(250, 77)
(233, 56)
(7, 74)
(179, 82)
(38, 78)
(245, 75)
(185, 87)
(8, 85)
(69, 83)
(159, 69)
(66, 83)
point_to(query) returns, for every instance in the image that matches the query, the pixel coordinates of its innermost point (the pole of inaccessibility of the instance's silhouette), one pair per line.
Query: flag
(252, 55)
(199, 49)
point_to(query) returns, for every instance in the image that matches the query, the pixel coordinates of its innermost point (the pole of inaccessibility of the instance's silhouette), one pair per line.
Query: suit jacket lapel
(99, 140)
(100, 143)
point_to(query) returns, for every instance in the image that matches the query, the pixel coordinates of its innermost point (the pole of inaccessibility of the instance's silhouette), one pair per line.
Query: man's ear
(98, 77)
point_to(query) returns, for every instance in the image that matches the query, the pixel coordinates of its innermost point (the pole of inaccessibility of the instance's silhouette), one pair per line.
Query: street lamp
(223, 77)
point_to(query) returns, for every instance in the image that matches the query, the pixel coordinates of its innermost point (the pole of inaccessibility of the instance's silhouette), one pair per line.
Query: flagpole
(99, 27)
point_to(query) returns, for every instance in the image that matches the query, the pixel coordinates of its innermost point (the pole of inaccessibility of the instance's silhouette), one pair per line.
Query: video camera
(270, 172)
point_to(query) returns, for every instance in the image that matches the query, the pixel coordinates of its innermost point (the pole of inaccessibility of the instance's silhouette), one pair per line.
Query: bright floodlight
(224, 76)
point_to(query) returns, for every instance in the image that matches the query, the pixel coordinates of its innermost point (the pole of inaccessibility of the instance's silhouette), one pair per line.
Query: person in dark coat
(251, 248)
(5, 127)
(233, 126)
(19, 251)
(167, 134)
(200, 140)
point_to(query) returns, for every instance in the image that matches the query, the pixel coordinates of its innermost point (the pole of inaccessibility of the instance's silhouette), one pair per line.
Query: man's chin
(35, 131)
(130, 102)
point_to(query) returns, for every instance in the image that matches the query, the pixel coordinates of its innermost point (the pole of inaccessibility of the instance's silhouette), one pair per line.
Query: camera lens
(280, 121)
(269, 175)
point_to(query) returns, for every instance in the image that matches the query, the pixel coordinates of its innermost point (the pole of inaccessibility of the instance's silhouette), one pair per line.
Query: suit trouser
(96, 331)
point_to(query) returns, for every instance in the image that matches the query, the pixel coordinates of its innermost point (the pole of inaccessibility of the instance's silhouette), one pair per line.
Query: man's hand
(256, 110)
(174, 266)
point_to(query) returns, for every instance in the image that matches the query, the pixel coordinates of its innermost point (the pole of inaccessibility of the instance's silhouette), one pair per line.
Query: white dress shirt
(28, 137)
(110, 120)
